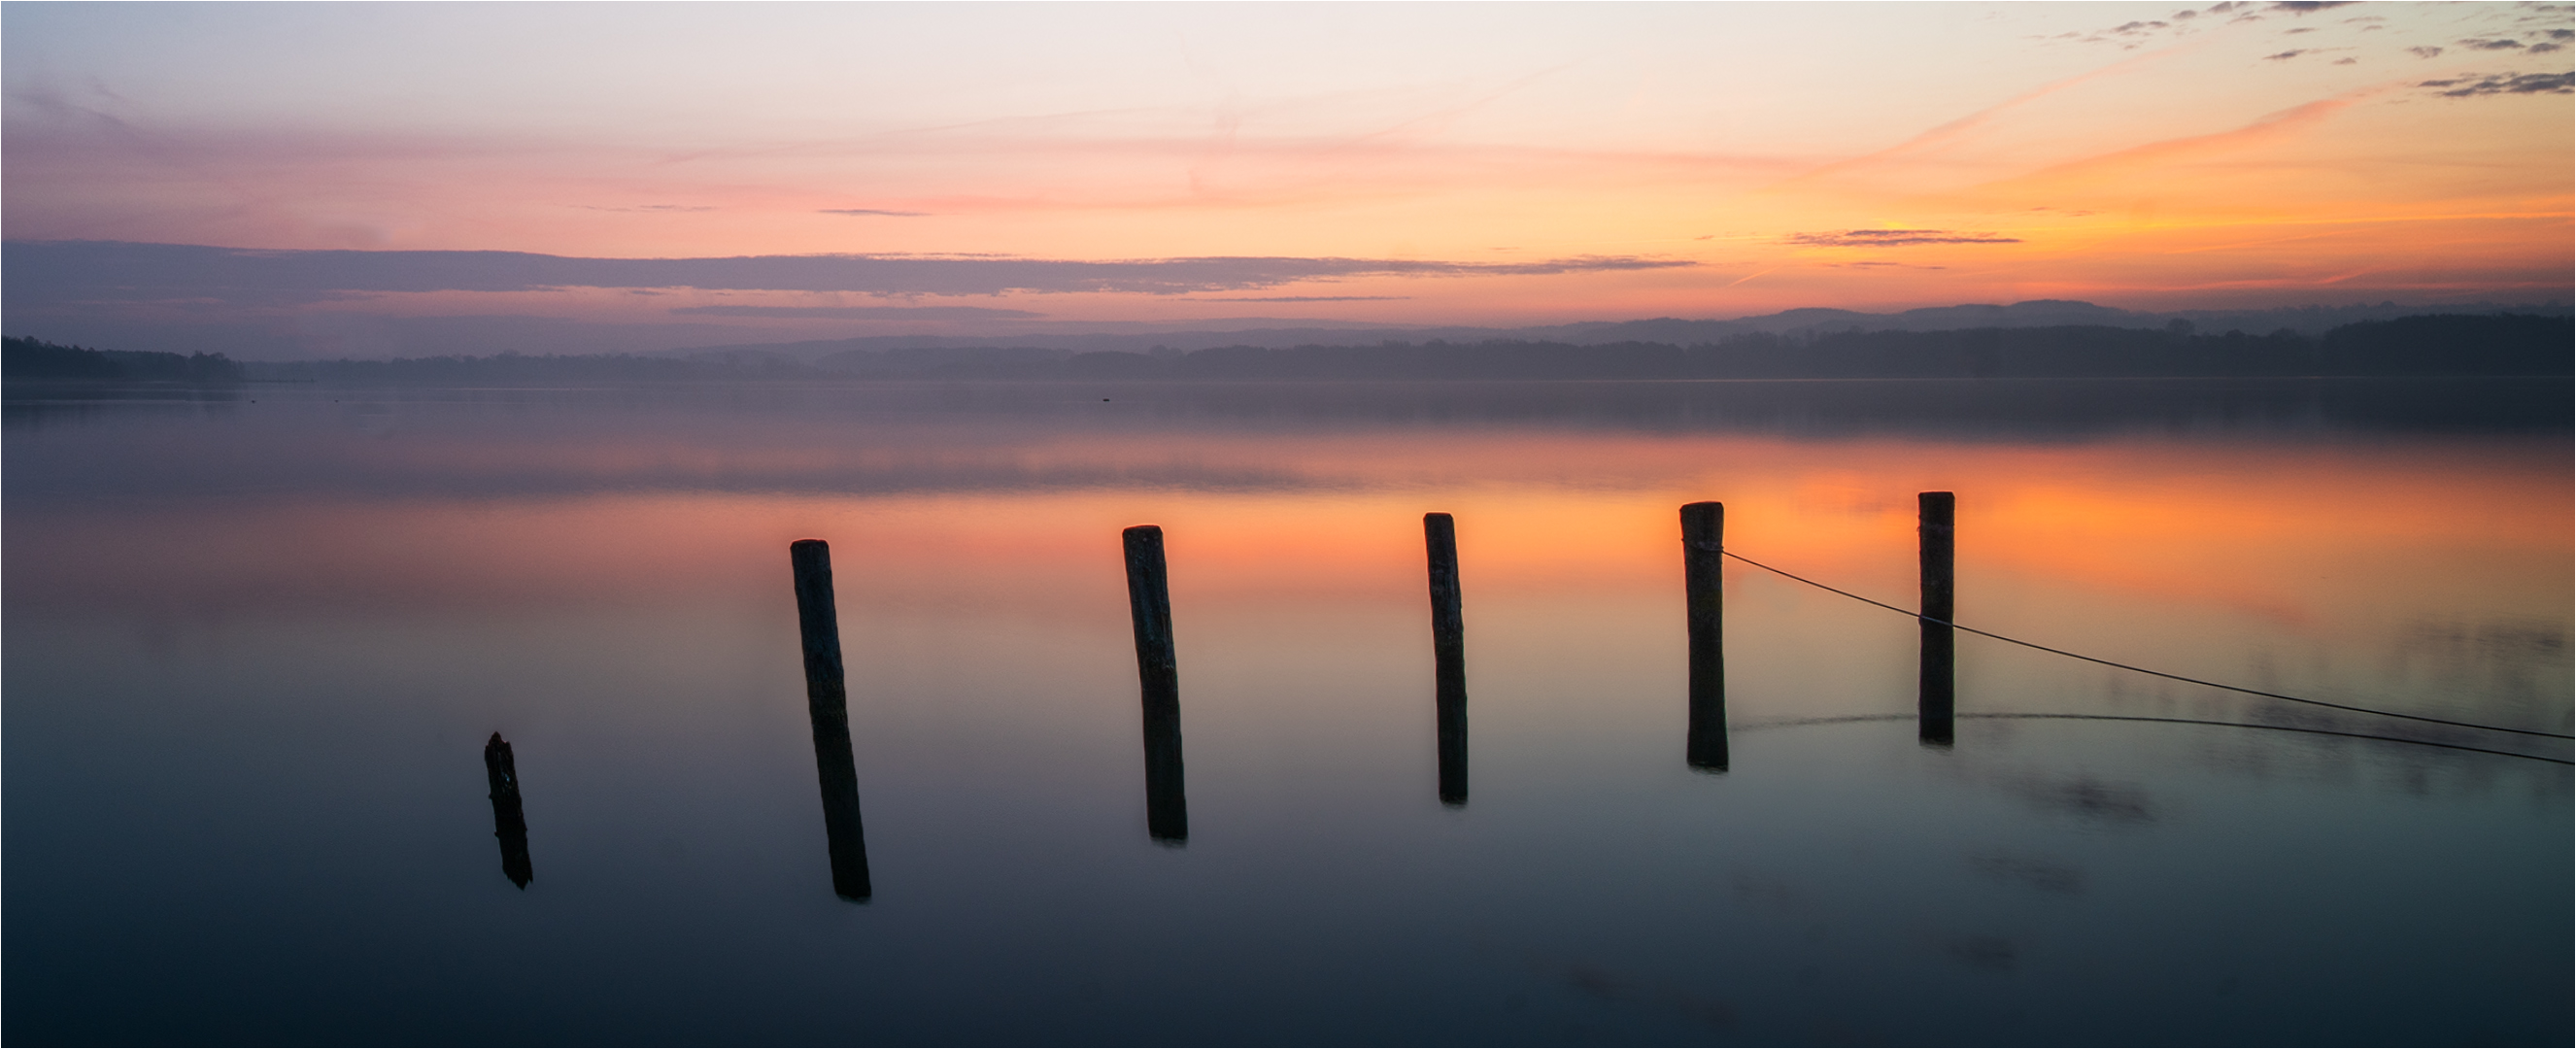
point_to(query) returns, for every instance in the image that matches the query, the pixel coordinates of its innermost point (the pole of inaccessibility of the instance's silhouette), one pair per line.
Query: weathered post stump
(827, 703)
(1149, 604)
(509, 821)
(1703, 577)
(1449, 653)
(1938, 701)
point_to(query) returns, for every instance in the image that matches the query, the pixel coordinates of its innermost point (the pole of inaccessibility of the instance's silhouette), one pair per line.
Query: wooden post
(1149, 603)
(1703, 576)
(1449, 652)
(1935, 708)
(827, 702)
(509, 821)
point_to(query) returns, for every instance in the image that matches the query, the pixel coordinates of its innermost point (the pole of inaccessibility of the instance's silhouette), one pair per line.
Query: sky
(329, 179)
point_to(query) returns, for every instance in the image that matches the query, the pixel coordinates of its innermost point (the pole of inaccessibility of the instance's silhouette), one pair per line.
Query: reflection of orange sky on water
(2291, 534)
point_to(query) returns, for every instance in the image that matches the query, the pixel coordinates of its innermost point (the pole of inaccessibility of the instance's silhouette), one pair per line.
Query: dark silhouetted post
(1703, 577)
(1149, 601)
(1449, 651)
(1939, 695)
(509, 822)
(827, 701)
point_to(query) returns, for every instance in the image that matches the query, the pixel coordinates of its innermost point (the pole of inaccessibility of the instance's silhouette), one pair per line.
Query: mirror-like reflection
(1449, 655)
(827, 705)
(246, 639)
(1149, 602)
(509, 820)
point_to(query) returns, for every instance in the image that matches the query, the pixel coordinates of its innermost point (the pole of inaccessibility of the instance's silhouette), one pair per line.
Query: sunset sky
(989, 169)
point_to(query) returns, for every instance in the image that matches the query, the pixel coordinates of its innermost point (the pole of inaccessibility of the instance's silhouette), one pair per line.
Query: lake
(257, 640)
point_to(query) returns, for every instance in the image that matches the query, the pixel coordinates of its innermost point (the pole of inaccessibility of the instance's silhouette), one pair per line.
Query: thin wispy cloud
(2288, 122)
(886, 212)
(1889, 238)
(1954, 130)
(900, 313)
(1309, 298)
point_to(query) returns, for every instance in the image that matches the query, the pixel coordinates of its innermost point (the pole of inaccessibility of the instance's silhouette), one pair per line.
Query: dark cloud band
(2506, 84)
(114, 271)
(895, 313)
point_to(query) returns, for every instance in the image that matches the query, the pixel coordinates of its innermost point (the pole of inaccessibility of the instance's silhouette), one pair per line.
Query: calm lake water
(255, 644)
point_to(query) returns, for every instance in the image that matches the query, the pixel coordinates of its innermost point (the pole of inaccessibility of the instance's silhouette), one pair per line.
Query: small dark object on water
(509, 822)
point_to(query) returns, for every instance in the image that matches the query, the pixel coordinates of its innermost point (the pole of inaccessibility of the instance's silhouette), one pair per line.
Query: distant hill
(22, 358)
(2043, 313)
(2448, 345)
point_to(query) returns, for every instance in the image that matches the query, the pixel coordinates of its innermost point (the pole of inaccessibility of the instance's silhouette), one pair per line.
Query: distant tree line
(539, 369)
(38, 359)
(2435, 345)
(2432, 345)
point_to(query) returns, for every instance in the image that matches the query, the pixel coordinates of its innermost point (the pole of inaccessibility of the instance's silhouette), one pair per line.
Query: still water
(255, 645)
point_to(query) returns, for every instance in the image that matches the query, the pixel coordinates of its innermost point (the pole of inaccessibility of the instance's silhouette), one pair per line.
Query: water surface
(255, 645)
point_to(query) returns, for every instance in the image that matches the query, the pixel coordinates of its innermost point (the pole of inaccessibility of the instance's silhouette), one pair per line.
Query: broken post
(509, 822)
(1449, 652)
(1703, 576)
(1149, 603)
(1935, 709)
(827, 702)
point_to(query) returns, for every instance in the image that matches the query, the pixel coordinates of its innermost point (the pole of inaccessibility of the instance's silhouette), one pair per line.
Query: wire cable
(1796, 722)
(2143, 670)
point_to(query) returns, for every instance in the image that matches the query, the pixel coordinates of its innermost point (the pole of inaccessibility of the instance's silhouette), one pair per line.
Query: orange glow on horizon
(2288, 159)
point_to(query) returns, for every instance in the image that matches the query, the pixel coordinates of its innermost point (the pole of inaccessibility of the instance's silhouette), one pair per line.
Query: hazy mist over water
(257, 641)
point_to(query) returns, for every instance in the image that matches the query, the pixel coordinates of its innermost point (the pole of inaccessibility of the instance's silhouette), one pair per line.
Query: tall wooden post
(509, 821)
(1703, 576)
(1938, 701)
(1449, 652)
(1149, 603)
(827, 703)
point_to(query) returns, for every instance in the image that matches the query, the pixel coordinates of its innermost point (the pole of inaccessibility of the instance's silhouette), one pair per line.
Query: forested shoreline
(22, 358)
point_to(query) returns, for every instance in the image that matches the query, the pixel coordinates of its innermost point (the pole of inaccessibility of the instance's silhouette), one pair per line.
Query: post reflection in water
(827, 703)
(1449, 651)
(1149, 603)
(509, 821)
(1703, 578)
